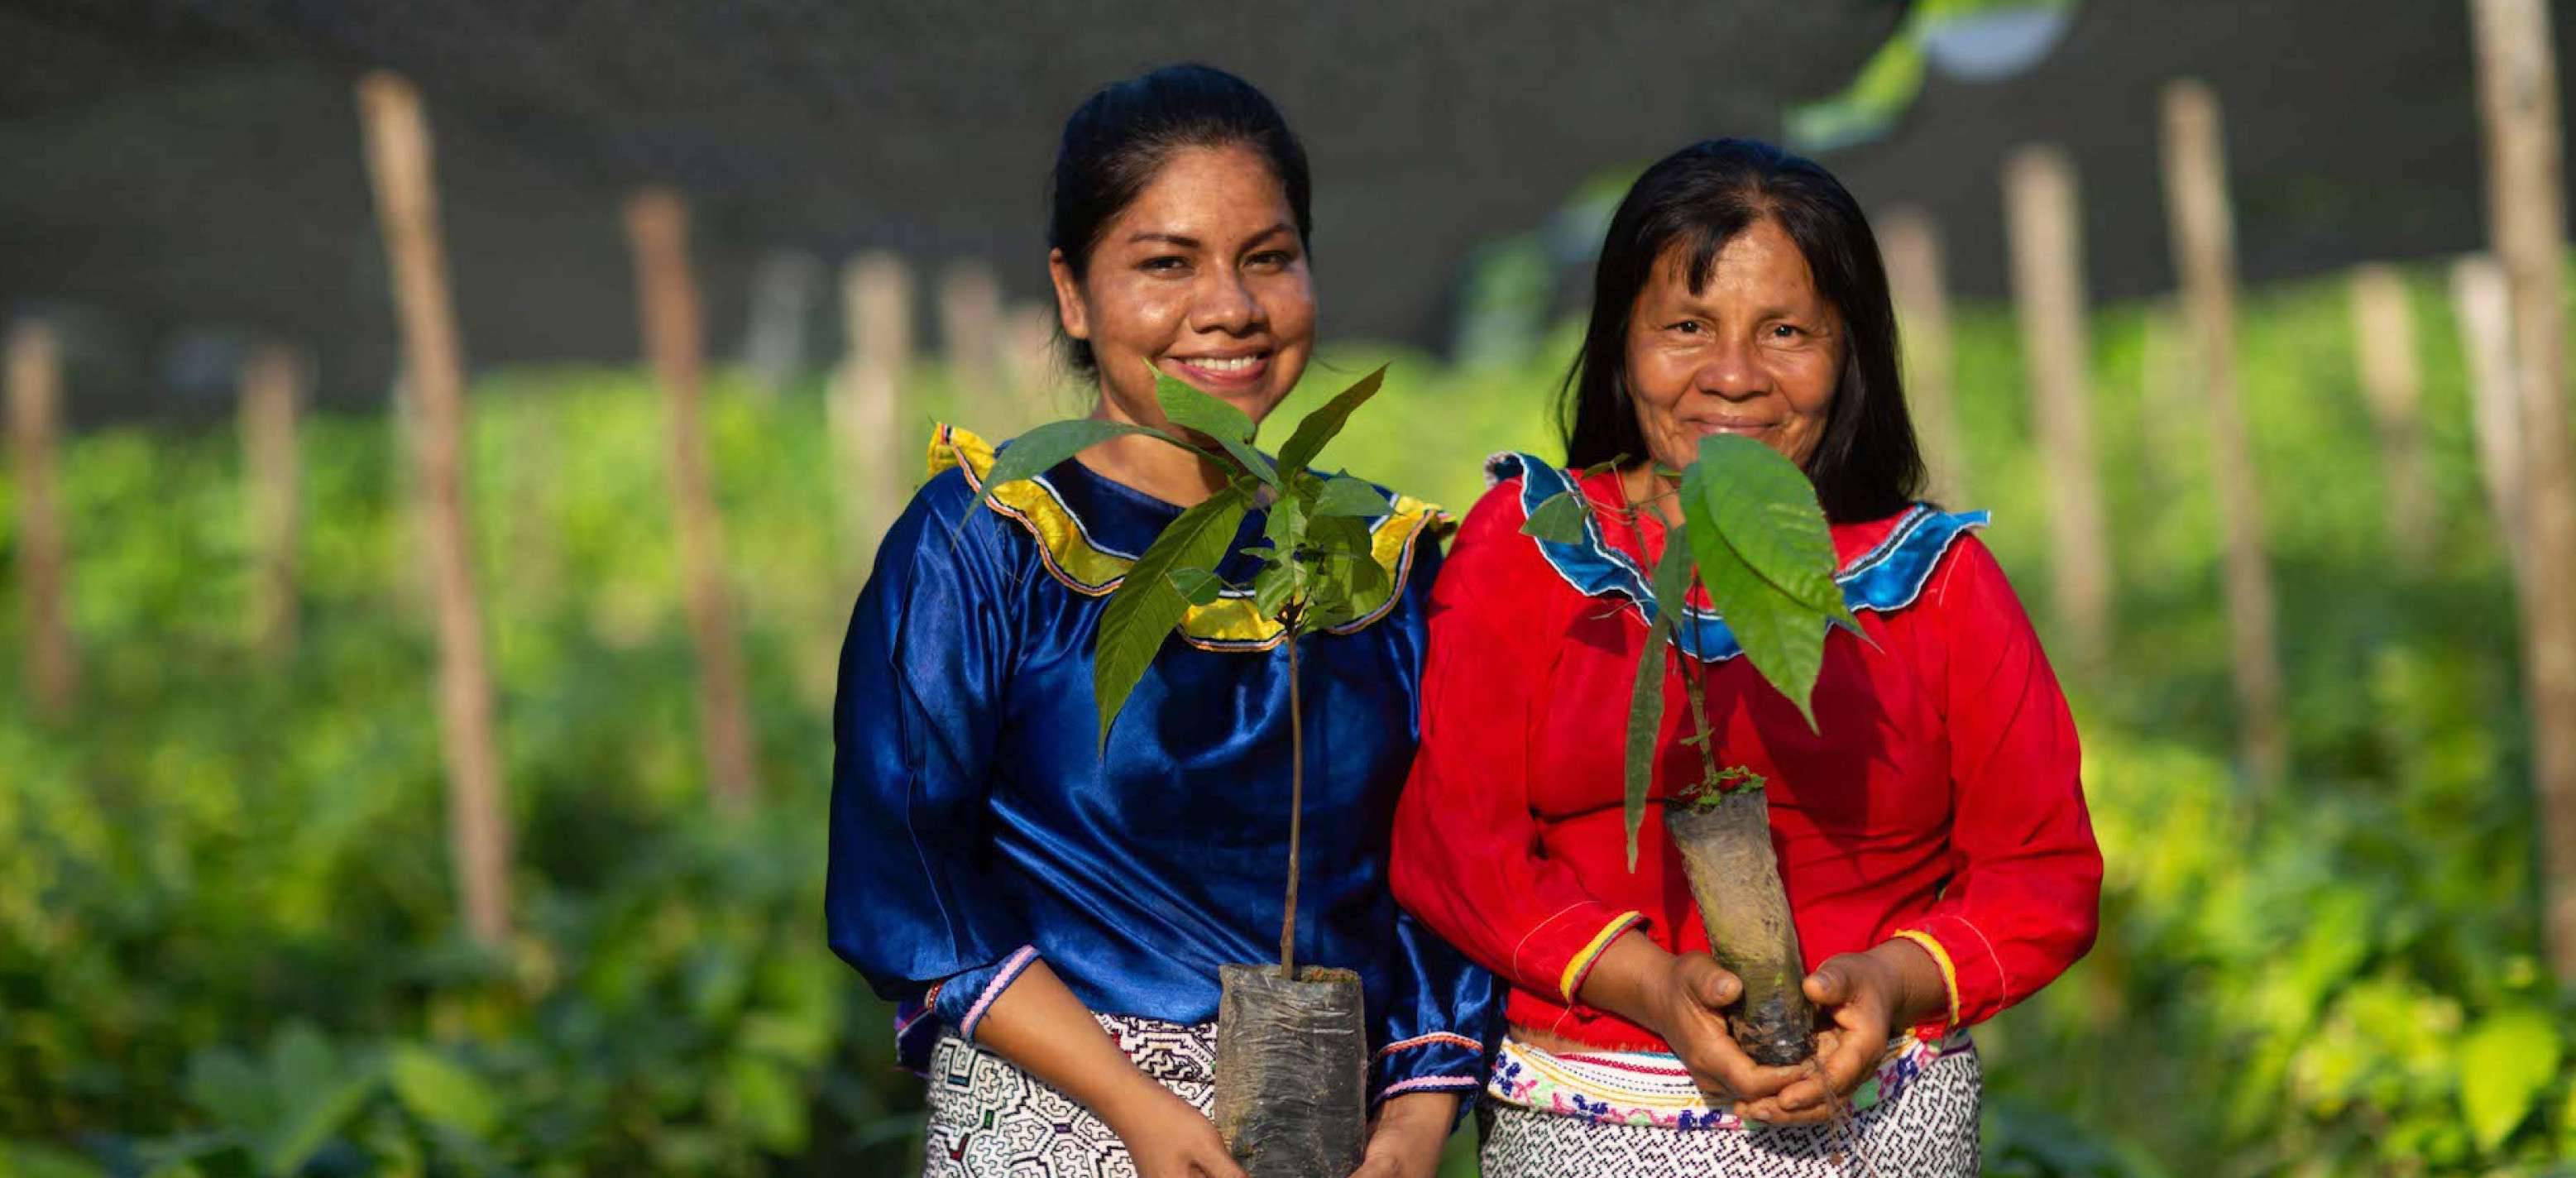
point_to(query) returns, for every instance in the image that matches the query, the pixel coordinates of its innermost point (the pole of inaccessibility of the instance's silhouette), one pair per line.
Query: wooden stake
(1028, 359)
(35, 413)
(2164, 380)
(2048, 292)
(782, 304)
(2383, 332)
(272, 394)
(866, 408)
(657, 230)
(970, 335)
(2485, 311)
(2527, 206)
(2204, 239)
(399, 164)
(1913, 252)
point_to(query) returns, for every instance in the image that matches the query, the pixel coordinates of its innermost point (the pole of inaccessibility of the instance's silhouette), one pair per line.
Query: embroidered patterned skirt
(989, 1119)
(1637, 1115)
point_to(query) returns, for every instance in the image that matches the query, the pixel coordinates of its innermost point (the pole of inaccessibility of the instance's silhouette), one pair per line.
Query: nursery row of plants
(228, 944)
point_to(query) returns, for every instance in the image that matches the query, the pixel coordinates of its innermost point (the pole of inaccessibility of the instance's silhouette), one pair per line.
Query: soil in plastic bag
(1291, 1071)
(1726, 851)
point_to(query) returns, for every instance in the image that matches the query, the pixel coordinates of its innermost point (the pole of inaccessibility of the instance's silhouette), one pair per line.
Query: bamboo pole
(2383, 332)
(866, 406)
(2485, 312)
(2204, 240)
(657, 229)
(399, 165)
(2048, 293)
(2527, 208)
(272, 395)
(970, 336)
(1914, 269)
(52, 668)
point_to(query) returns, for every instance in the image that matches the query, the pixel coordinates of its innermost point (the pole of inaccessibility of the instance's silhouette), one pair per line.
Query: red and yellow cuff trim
(1941, 957)
(1577, 969)
(1081, 564)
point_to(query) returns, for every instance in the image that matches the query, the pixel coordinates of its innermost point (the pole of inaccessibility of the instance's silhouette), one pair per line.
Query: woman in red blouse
(1931, 831)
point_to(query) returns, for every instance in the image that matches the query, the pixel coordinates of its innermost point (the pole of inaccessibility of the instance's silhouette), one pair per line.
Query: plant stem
(1690, 682)
(1296, 811)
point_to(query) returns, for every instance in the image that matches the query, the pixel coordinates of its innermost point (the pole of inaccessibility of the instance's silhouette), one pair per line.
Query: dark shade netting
(2352, 135)
(177, 171)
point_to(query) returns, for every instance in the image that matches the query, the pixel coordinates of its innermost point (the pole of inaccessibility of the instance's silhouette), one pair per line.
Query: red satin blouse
(1939, 801)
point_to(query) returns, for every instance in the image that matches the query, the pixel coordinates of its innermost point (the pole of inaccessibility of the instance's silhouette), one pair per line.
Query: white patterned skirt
(989, 1119)
(1637, 1115)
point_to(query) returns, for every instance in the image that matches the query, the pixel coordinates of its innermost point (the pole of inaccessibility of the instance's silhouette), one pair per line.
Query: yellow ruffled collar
(1079, 563)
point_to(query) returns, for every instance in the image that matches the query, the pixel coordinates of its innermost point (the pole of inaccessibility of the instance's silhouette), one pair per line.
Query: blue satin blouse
(977, 826)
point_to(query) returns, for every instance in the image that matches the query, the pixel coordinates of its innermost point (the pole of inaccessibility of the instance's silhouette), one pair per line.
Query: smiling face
(1203, 277)
(1757, 351)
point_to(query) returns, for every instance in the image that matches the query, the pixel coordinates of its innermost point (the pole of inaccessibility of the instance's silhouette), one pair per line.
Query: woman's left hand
(1867, 997)
(1410, 1133)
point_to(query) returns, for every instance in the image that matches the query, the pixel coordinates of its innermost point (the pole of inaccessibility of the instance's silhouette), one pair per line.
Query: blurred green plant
(224, 861)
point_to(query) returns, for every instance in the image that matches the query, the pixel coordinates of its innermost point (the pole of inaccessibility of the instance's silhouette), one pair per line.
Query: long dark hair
(1867, 464)
(1118, 138)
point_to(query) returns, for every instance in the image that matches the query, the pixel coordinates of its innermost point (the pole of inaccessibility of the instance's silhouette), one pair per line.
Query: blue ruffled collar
(1888, 577)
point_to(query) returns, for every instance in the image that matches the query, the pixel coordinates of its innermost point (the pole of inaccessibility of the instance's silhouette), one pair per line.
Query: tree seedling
(1292, 1050)
(1756, 542)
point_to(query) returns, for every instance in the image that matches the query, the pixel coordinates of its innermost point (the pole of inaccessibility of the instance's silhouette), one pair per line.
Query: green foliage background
(227, 942)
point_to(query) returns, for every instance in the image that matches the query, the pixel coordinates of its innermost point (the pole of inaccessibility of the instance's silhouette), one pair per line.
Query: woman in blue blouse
(1050, 915)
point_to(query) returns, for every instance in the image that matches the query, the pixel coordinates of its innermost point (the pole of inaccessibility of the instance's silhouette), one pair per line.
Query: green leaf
(442, 1092)
(1325, 423)
(1346, 578)
(316, 1095)
(312, 1117)
(235, 1093)
(1559, 518)
(1646, 700)
(1782, 637)
(1767, 511)
(1145, 607)
(1039, 450)
(1191, 409)
(1344, 495)
(1275, 586)
(2505, 1061)
(1286, 526)
(1198, 586)
(299, 1058)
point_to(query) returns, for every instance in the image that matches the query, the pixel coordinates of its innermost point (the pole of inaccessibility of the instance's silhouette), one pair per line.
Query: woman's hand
(1867, 997)
(1683, 999)
(1410, 1132)
(1692, 1019)
(1039, 1025)
(1166, 1137)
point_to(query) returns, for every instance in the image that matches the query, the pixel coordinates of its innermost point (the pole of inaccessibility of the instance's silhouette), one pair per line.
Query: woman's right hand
(1168, 1138)
(1683, 998)
(1690, 1013)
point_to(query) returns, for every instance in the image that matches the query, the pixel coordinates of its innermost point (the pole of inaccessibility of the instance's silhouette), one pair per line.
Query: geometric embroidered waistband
(1652, 1088)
